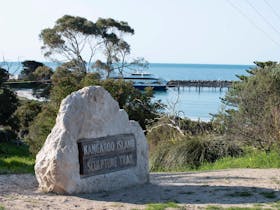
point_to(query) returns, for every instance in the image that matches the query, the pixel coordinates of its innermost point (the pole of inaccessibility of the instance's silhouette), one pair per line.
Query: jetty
(200, 83)
(26, 84)
(172, 83)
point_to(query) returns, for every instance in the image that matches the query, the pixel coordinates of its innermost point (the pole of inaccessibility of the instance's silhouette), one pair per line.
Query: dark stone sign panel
(106, 154)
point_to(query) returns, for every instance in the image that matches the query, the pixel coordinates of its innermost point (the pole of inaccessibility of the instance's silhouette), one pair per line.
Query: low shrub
(171, 129)
(191, 152)
(196, 127)
(40, 128)
(162, 134)
(25, 114)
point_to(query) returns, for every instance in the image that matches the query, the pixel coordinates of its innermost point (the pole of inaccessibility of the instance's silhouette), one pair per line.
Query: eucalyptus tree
(115, 48)
(77, 40)
(74, 39)
(118, 59)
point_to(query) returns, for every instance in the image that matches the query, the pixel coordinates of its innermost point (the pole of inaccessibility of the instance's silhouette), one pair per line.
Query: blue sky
(177, 31)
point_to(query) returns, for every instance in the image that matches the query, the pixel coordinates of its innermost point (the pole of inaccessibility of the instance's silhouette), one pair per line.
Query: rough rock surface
(88, 113)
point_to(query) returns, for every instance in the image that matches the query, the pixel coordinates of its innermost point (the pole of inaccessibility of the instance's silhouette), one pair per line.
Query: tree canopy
(29, 67)
(43, 73)
(77, 39)
(4, 75)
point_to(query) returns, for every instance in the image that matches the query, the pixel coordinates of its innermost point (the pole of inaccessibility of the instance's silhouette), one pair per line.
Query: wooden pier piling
(200, 83)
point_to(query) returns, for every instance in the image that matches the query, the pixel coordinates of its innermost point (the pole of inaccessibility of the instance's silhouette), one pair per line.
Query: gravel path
(195, 190)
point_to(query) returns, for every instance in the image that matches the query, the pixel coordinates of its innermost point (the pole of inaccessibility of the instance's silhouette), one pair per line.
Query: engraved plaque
(106, 154)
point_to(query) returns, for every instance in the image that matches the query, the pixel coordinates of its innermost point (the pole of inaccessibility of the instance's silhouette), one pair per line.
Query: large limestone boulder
(93, 117)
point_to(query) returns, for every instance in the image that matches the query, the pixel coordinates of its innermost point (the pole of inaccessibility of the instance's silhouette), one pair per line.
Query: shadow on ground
(183, 188)
(188, 194)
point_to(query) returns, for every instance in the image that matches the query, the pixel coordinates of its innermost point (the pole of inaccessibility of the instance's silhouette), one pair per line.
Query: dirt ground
(194, 190)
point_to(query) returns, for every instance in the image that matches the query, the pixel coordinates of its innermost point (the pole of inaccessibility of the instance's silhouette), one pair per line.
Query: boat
(141, 80)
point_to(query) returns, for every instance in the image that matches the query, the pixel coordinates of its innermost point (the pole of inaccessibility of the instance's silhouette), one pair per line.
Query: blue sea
(191, 102)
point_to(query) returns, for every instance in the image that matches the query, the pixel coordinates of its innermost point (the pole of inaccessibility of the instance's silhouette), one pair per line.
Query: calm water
(198, 71)
(192, 103)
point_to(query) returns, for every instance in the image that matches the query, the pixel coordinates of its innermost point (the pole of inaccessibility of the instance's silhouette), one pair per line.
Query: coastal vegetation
(8, 105)
(253, 113)
(33, 70)
(250, 119)
(245, 133)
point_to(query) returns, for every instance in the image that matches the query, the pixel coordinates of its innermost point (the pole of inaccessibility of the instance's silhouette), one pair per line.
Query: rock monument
(92, 147)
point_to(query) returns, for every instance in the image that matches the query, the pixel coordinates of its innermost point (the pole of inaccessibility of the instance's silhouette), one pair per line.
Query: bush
(172, 129)
(191, 152)
(64, 82)
(42, 73)
(8, 105)
(4, 75)
(161, 132)
(29, 68)
(252, 114)
(196, 127)
(40, 128)
(26, 113)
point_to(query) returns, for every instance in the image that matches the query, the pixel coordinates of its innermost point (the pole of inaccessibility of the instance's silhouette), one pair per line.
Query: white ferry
(141, 80)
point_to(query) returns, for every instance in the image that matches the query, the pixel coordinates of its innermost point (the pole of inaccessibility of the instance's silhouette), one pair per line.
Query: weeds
(15, 159)
(191, 153)
(162, 206)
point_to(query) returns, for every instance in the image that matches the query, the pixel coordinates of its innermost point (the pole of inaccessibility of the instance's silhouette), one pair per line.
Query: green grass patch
(232, 208)
(15, 159)
(161, 206)
(213, 208)
(2, 207)
(251, 159)
(274, 205)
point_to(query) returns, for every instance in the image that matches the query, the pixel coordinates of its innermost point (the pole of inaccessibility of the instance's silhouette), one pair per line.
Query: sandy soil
(235, 187)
